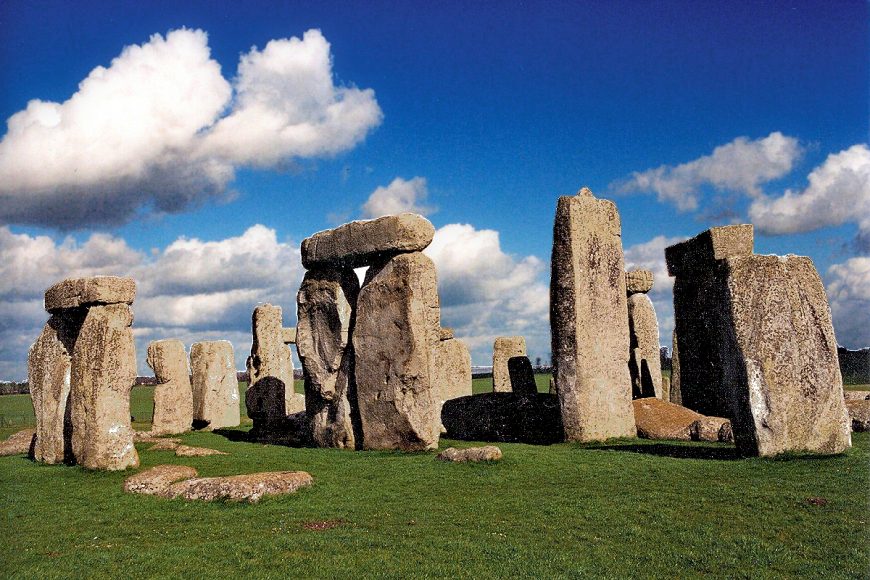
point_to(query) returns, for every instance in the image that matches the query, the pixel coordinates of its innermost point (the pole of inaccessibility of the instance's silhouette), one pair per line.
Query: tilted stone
(101, 378)
(215, 387)
(363, 243)
(675, 396)
(173, 395)
(397, 328)
(503, 349)
(657, 419)
(644, 363)
(522, 375)
(325, 308)
(702, 251)
(589, 320)
(638, 281)
(77, 292)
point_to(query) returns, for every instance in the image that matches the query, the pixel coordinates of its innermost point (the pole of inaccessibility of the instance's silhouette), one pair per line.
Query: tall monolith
(215, 386)
(173, 395)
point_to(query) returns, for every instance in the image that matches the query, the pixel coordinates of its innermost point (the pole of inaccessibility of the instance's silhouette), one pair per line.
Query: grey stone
(503, 349)
(676, 396)
(859, 414)
(644, 363)
(472, 454)
(173, 395)
(215, 387)
(638, 281)
(79, 292)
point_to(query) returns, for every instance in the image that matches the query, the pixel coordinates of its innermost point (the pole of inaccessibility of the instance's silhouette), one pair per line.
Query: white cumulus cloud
(848, 288)
(399, 196)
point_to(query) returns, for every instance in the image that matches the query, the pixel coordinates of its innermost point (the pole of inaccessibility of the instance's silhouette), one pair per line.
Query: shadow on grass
(235, 435)
(674, 450)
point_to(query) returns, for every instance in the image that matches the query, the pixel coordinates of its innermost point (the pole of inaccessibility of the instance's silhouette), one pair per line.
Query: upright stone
(589, 320)
(522, 375)
(215, 387)
(396, 332)
(102, 374)
(325, 308)
(503, 349)
(676, 396)
(173, 395)
(645, 361)
(452, 368)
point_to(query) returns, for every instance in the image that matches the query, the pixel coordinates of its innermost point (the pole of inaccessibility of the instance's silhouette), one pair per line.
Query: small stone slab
(188, 451)
(856, 395)
(638, 281)
(707, 247)
(445, 333)
(288, 335)
(657, 419)
(859, 414)
(156, 481)
(77, 292)
(361, 243)
(715, 429)
(474, 454)
(250, 487)
(17, 443)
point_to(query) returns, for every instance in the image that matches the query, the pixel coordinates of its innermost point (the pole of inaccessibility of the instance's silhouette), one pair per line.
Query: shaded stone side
(397, 328)
(675, 396)
(102, 373)
(173, 395)
(644, 363)
(215, 387)
(522, 375)
(589, 320)
(503, 349)
(507, 417)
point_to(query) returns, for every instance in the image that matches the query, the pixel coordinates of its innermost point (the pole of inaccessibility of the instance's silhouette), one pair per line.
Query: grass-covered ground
(628, 508)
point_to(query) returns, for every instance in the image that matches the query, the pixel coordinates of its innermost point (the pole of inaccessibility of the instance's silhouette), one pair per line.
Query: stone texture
(165, 445)
(452, 369)
(505, 417)
(18, 443)
(711, 429)
(856, 395)
(189, 451)
(473, 454)
(638, 281)
(156, 480)
(101, 377)
(288, 335)
(589, 320)
(644, 363)
(859, 414)
(503, 349)
(325, 308)
(173, 395)
(657, 419)
(666, 389)
(248, 488)
(522, 376)
(397, 328)
(215, 387)
(78, 292)
(676, 396)
(779, 354)
(363, 243)
(445, 333)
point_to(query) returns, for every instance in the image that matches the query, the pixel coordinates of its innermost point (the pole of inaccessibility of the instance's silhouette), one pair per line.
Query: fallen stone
(859, 414)
(188, 451)
(474, 454)
(657, 419)
(173, 395)
(504, 417)
(156, 480)
(503, 349)
(363, 243)
(522, 376)
(18, 443)
(638, 281)
(97, 290)
(249, 487)
(644, 363)
(856, 395)
(165, 445)
(215, 386)
(589, 320)
(715, 429)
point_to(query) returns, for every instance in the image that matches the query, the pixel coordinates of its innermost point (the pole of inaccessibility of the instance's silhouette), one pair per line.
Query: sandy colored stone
(288, 335)
(712, 429)
(156, 480)
(189, 451)
(18, 443)
(859, 414)
(779, 354)
(589, 320)
(249, 487)
(675, 394)
(101, 378)
(856, 395)
(666, 389)
(644, 363)
(215, 387)
(445, 333)
(325, 310)
(397, 328)
(657, 419)
(363, 243)
(507, 417)
(638, 281)
(173, 395)
(453, 369)
(78, 292)
(473, 454)
(165, 445)
(503, 349)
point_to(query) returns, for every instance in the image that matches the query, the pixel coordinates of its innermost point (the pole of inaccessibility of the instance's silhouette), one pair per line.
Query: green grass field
(627, 508)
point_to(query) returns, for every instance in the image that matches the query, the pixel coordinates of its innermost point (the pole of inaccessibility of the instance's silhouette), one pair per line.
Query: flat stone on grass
(474, 454)
(250, 487)
(17, 443)
(188, 451)
(156, 481)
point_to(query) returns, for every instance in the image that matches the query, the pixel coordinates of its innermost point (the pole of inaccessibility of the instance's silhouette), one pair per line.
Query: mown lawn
(628, 508)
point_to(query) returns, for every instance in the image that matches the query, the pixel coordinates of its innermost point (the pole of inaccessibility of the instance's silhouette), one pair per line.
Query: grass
(627, 508)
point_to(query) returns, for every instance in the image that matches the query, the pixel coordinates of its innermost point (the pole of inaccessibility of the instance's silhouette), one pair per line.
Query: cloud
(838, 192)
(848, 288)
(161, 129)
(399, 196)
(742, 165)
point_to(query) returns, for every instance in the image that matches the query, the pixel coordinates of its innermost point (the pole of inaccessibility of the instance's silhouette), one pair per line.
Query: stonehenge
(503, 349)
(452, 368)
(173, 395)
(644, 362)
(215, 387)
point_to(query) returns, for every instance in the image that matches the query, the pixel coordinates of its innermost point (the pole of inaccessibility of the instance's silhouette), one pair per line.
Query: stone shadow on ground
(721, 453)
(235, 435)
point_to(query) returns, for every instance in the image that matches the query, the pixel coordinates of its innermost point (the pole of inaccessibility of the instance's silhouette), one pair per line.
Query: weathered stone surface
(18, 443)
(638, 281)
(474, 454)
(215, 387)
(49, 365)
(173, 395)
(711, 429)
(288, 335)
(676, 396)
(589, 320)
(859, 414)
(666, 389)
(78, 292)
(270, 396)
(249, 487)
(397, 328)
(856, 395)
(779, 355)
(644, 363)
(657, 419)
(102, 374)
(445, 333)
(165, 445)
(189, 451)
(521, 375)
(325, 308)
(503, 349)
(452, 369)
(363, 243)
(506, 417)
(156, 480)
(697, 255)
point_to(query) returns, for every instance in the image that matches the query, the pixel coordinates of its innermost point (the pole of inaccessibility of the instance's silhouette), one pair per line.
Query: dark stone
(521, 375)
(505, 417)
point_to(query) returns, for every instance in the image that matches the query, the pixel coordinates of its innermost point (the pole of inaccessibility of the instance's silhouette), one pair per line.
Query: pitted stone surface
(156, 480)
(503, 349)
(173, 395)
(712, 429)
(657, 419)
(446, 333)
(589, 320)
(452, 370)
(288, 335)
(859, 414)
(251, 487)
(78, 292)
(215, 387)
(190, 451)
(17, 443)
(363, 243)
(856, 395)
(644, 363)
(638, 281)
(473, 454)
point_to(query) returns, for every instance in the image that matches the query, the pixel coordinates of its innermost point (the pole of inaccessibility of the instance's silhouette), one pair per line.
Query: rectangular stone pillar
(173, 395)
(505, 348)
(215, 386)
(644, 364)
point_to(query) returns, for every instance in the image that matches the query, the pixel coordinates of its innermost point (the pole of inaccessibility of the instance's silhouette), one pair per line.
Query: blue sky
(687, 114)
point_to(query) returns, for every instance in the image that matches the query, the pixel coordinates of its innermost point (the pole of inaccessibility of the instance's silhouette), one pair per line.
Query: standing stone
(102, 374)
(452, 368)
(173, 395)
(397, 329)
(522, 375)
(215, 387)
(503, 349)
(675, 395)
(666, 389)
(325, 308)
(589, 320)
(645, 360)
